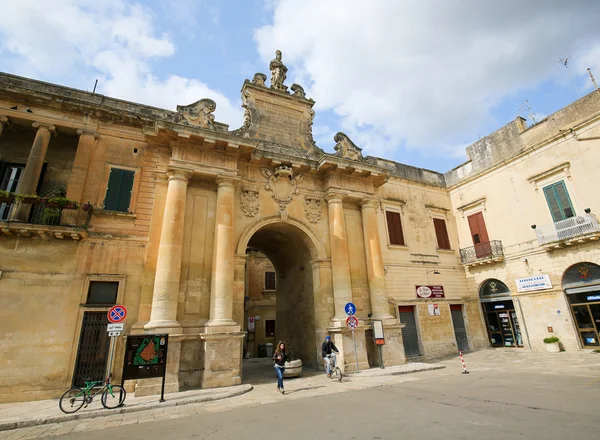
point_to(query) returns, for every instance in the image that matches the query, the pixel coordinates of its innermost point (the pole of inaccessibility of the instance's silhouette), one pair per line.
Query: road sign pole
(113, 342)
(381, 357)
(162, 388)
(355, 355)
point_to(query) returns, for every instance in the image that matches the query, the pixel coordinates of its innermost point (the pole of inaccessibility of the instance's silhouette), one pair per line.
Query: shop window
(103, 292)
(394, 224)
(118, 191)
(269, 328)
(559, 201)
(269, 280)
(441, 232)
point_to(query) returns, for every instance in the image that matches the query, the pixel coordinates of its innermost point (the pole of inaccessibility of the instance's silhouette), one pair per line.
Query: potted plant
(61, 202)
(6, 197)
(29, 199)
(552, 345)
(293, 367)
(51, 216)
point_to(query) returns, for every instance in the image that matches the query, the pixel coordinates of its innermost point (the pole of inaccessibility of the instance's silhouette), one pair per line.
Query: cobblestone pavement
(582, 364)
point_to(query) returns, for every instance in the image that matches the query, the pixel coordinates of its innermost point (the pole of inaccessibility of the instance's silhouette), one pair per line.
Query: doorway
(581, 283)
(503, 327)
(460, 331)
(92, 353)
(410, 334)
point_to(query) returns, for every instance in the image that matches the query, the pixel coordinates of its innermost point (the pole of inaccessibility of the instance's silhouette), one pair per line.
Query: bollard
(463, 363)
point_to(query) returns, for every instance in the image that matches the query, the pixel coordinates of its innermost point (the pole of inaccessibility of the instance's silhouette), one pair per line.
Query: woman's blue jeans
(279, 371)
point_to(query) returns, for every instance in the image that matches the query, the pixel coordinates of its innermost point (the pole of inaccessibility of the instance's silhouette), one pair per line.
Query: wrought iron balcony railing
(482, 253)
(574, 229)
(44, 218)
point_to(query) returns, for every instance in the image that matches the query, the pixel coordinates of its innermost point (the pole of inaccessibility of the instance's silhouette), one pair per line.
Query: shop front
(581, 284)
(500, 315)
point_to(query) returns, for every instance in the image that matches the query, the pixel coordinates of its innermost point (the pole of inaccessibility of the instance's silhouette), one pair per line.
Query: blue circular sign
(350, 309)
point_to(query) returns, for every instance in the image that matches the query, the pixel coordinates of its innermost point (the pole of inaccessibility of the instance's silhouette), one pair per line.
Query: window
(559, 201)
(395, 232)
(269, 328)
(269, 280)
(441, 233)
(103, 292)
(118, 191)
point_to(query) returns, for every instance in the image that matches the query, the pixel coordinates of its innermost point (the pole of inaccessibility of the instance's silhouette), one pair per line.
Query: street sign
(117, 313)
(351, 322)
(251, 324)
(110, 334)
(350, 309)
(146, 357)
(114, 327)
(378, 332)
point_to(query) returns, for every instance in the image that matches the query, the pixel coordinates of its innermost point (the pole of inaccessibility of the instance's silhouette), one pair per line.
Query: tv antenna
(530, 112)
(592, 78)
(565, 61)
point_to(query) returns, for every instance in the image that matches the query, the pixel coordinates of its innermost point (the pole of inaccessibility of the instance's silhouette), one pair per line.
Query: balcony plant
(61, 203)
(51, 216)
(552, 344)
(28, 199)
(6, 197)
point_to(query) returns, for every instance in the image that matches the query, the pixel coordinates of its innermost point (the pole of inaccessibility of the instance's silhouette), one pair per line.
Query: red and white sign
(251, 324)
(426, 292)
(351, 322)
(117, 313)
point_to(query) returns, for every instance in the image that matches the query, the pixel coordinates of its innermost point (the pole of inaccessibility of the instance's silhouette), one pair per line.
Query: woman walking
(280, 357)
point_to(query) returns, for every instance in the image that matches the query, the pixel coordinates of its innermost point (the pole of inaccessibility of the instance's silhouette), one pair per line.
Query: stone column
(168, 266)
(340, 262)
(31, 174)
(3, 122)
(221, 291)
(81, 164)
(375, 271)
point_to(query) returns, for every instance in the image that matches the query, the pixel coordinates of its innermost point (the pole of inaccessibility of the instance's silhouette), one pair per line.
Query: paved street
(507, 395)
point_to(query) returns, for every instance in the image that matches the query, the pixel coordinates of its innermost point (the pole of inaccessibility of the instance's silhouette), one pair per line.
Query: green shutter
(558, 201)
(118, 191)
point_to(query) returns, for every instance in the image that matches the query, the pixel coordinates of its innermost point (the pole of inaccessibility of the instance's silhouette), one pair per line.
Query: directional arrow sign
(114, 333)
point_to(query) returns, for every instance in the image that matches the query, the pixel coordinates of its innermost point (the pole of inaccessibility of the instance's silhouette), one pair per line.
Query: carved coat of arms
(345, 148)
(312, 209)
(250, 201)
(282, 183)
(198, 114)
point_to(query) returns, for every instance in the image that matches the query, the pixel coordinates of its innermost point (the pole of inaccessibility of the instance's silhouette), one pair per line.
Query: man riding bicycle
(328, 350)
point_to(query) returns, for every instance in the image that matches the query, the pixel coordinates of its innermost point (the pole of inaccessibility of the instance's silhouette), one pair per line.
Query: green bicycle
(112, 397)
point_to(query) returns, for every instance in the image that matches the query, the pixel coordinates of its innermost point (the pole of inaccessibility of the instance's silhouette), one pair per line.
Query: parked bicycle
(336, 373)
(112, 397)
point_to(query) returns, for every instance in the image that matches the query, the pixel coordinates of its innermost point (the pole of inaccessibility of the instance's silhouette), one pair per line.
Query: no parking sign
(117, 313)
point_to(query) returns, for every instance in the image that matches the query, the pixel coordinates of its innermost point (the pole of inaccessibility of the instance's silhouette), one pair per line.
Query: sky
(415, 81)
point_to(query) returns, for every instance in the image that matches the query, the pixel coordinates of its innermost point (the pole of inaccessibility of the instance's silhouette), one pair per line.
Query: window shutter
(111, 200)
(269, 280)
(558, 201)
(125, 191)
(441, 233)
(394, 222)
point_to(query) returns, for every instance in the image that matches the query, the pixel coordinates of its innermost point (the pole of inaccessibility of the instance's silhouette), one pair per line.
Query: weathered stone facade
(178, 206)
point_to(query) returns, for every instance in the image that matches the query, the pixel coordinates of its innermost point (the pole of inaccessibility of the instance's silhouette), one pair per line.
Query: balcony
(569, 232)
(483, 253)
(27, 217)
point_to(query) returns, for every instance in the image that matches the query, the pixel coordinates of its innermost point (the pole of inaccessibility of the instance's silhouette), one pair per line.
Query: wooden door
(481, 240)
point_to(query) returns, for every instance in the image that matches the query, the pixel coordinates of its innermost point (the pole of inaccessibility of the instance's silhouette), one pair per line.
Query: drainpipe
(523, 321)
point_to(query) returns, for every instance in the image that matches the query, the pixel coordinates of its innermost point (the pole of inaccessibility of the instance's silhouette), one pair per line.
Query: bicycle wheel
(72, 400)
(338, 374)
(113, 397)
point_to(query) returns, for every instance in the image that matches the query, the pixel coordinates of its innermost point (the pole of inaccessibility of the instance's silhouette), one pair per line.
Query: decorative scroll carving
(312, 208)
(298, 91)
(346, 148)
(250, 201)
(198, 114)
(259, 79)
(278, 73)
(282, 183)
(310, 128)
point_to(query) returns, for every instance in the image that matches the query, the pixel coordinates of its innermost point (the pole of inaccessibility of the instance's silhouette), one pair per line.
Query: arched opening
(581, 283)
(280, 291)
(500, 315)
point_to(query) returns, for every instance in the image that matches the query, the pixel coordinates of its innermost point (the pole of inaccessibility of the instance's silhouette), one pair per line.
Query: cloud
(116, 41)
(424, 74)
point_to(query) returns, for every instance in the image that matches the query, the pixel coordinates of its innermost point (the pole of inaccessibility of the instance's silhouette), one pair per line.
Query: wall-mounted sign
(378, 333)
(593, 298)
(426, 292)
(433, 309)
(251, 324)
(538, 282)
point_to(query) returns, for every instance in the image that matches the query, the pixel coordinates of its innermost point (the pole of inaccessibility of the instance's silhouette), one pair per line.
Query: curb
(395, 373)
(240, 389)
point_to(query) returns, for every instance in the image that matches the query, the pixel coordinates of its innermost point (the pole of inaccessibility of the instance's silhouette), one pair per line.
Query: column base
(393, 350)
(221, 326)
(222, 358)
(162, 326)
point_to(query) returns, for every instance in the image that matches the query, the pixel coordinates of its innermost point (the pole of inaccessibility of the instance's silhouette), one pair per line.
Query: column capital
(227, 181)
(39, 125)
(3, 119)
(334, 198)
(86, 131)
(369, 203)
(179, 174)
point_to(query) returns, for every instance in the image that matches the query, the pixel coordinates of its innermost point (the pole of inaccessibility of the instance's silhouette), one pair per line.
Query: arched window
(493, 288)
(581, 274)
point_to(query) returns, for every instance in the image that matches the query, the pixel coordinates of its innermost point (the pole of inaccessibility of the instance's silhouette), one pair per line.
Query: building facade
(180, 219)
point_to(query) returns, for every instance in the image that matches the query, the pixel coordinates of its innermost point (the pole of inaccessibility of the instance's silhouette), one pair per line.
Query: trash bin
(262, 351)
(269, 350)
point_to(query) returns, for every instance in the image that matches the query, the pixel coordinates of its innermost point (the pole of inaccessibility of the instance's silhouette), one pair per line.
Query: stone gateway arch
(265, 186)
